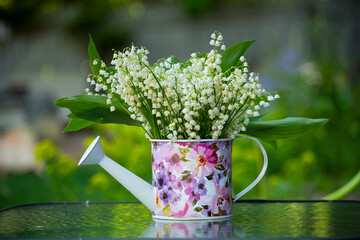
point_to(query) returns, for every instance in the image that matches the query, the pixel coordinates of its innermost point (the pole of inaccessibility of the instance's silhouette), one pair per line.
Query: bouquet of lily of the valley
(210, 96)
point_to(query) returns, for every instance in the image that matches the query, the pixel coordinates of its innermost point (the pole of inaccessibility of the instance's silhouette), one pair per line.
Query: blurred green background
(308, 51)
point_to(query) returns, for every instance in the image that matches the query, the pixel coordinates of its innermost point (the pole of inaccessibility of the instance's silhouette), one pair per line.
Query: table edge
(256, 201)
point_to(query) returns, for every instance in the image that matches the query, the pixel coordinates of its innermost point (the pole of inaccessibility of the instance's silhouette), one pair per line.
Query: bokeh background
(308, 51)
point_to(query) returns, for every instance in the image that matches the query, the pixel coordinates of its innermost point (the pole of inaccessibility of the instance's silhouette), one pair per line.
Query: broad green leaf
(210, 177)
(77, 123)
(94, 108)
(272, 143)
(230, 57)
(283, 128)
(94, 55)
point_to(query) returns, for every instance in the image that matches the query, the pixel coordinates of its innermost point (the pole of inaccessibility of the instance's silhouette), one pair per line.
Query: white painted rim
(190, 219)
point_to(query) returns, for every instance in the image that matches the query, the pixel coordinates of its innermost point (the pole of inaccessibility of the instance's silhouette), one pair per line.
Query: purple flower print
(160, 180)
(166, 194)
(218, 175)
(206, 211)
(188, 180)
(199, 187)
(170, 178)
(192, 179)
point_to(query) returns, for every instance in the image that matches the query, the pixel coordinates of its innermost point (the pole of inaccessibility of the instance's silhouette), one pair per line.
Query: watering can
(191, 178)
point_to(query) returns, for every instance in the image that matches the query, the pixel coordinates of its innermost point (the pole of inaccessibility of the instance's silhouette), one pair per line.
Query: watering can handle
(262, 173)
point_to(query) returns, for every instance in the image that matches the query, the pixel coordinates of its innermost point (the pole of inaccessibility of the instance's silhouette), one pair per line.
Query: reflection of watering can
(190, 229)
(191, 179)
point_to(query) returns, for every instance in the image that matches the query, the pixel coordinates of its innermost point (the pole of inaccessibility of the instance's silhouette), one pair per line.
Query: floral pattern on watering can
(192, 179)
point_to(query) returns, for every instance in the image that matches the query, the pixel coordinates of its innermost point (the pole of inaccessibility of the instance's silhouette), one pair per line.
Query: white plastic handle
(262, 173)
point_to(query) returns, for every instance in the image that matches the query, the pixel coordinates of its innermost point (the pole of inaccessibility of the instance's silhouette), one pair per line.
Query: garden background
(308, 51)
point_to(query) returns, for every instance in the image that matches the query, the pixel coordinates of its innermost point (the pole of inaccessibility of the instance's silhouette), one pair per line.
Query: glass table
(251, 219)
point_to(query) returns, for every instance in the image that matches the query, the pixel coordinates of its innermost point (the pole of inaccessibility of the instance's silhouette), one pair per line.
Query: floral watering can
(191, 178)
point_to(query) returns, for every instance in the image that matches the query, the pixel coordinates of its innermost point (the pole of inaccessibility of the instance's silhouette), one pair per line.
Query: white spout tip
(93, 154)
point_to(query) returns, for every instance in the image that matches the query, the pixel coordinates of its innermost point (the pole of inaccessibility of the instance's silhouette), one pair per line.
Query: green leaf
(221, 159)
(183, 159)
(215, 148)
(94, 55)
(219, 166)
(77, 123)
(272, 143)
(197, 209)
(94, 108)
(184, 151)
(230, 57)
(284, 128)
(210, 176)
(185, 177)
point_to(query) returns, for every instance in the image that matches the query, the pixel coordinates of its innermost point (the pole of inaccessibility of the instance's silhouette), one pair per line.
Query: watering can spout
(142, 190)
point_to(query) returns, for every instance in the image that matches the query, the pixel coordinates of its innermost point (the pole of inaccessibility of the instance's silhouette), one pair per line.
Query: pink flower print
(221, 202)
(174, 162)
(178, 185)
(158, 166)
(169, 155)
(202, 159)
(183, 144)
(206, 151)
(192, 196)
(179, 210)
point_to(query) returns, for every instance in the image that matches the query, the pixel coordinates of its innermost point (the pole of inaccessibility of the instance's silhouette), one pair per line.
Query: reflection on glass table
(251, 219)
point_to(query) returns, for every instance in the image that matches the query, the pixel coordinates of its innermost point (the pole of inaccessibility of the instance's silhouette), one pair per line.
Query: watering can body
(191, 179)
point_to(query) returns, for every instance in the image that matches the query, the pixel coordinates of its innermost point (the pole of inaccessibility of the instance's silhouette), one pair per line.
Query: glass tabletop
(251, 219)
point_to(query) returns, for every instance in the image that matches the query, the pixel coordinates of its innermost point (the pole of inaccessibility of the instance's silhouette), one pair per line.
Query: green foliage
(283, 128)
(77, 123)
(94, 108)
(230, 57)
(346, 189)
(87, 109)
(93, 55)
